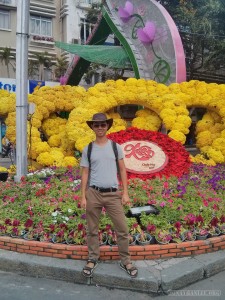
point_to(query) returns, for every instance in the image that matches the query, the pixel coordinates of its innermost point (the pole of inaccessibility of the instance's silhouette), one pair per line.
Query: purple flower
(147, 34)
(83, 216)
(126, 12)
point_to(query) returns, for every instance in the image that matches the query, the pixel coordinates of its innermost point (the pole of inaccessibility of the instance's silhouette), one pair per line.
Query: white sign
(143, 157)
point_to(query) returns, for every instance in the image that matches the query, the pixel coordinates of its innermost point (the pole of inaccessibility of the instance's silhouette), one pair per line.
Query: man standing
(99, 188)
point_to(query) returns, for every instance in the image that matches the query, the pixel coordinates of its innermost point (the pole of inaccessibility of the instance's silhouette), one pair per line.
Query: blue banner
(34, 83)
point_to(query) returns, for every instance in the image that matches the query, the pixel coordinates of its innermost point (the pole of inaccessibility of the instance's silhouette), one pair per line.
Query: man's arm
(123, 175)
(84, 181)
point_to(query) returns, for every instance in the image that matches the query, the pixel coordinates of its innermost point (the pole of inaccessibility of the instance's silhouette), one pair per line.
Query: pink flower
(126, 12)
(205, 203)
(162, 204)
(12, 199)
(142, 10)
(166, 185)
(151, 228)
(147, 34)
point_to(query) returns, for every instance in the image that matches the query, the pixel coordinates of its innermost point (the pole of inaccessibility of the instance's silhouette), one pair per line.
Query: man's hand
(83, 202)
(125, 199)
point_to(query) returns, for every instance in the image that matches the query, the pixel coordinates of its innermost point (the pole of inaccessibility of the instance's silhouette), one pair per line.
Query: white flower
(54, 214)
(69, 210)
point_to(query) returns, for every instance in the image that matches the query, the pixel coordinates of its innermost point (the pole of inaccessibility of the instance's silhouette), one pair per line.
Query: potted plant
(133, 226)
(214, 231)
(132, 239)
(202, 233)
(31, 235)
(112, 238)
(163, 236)
(189, 235)
(78, 235)
(102, 237)
(143, 238)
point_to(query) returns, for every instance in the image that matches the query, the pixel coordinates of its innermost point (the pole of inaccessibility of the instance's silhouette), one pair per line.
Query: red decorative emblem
(143, 157)
(138, 151)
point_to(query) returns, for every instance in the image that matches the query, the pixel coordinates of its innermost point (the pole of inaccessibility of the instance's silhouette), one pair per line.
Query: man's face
(100, 128)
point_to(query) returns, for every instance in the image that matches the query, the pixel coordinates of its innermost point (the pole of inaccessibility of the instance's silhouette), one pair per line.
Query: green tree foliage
(61, 66)
(202, 29)
(6, 58)
(44, 61)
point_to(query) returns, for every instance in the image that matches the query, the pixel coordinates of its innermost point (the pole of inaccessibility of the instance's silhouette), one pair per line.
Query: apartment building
(50, 21)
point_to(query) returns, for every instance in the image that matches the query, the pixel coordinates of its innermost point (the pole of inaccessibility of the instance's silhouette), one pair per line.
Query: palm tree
(61, 66)
(44, 61)
(6, 56)
(32, 68)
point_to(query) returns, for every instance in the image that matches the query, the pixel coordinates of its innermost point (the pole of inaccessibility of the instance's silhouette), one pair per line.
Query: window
(4, 19)
(41, 26)
(85, 30)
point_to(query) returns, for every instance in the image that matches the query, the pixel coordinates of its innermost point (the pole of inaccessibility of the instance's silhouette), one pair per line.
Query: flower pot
(222, 229)
(201, 237)
(112, 242)
(132, 240)
(153, 240)
(30, 237)
(217, 232)
(161, 242)
(4, 176)
(103, 241)
(19, 235)
(56, 240)
(189, 237)
(144, 242)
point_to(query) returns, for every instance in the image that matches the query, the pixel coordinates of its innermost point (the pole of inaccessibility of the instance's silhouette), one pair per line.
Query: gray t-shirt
(103, 165)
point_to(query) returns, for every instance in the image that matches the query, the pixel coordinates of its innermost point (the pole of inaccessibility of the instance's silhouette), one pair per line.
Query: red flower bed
(179, 160)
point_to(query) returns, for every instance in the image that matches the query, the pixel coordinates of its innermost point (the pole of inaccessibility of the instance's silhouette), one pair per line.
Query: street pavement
(155, 276)
(17, 287)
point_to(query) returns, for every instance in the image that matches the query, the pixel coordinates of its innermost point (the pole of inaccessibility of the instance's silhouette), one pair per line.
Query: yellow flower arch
(163, 104)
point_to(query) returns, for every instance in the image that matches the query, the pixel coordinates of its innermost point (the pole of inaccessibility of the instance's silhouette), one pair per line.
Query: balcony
(85, 3)
(8, 3)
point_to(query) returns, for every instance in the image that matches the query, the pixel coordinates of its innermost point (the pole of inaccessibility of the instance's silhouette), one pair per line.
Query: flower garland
(179, 160)
(167, 105)
(105, 96)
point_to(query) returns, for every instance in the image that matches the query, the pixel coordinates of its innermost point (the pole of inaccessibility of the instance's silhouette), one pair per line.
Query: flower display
(178, 158)
(167, 105)
(45, 206)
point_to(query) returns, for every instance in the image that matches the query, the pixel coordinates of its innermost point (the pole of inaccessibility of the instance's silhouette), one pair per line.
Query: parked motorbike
(8, 151)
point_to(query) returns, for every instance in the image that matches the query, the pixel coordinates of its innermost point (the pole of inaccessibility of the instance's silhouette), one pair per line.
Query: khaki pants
(112, 203)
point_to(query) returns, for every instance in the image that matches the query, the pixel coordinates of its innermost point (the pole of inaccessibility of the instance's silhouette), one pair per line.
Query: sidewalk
(5, 162)
(155, 276)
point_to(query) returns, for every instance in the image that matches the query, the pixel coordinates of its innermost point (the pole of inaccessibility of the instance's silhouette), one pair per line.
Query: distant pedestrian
(99, 188)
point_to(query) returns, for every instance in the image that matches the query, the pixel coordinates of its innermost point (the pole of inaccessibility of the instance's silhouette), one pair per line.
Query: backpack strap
(115, 150)
(89, 154)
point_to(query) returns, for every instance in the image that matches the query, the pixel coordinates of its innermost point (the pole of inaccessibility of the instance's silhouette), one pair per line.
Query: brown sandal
(130, 270)
(89, 270)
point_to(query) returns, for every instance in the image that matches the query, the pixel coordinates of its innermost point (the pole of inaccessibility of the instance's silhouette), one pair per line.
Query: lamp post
(23, 7)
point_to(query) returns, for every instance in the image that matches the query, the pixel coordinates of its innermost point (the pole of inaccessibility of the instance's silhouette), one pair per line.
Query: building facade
(50, 21)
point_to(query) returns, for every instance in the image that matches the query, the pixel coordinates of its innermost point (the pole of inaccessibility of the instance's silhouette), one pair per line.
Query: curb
(108, 274)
